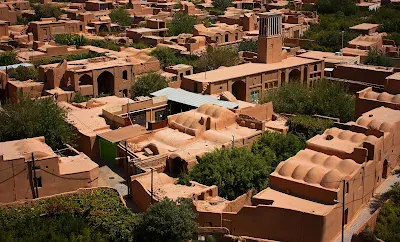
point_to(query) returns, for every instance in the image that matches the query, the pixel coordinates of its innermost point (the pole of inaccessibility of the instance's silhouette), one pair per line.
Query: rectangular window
(188, 72)
(139, 119)
(37, 181)
(160, 115)
(254, 96)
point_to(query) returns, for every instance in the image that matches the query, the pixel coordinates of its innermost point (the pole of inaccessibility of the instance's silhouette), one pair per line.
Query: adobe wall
(361, 75)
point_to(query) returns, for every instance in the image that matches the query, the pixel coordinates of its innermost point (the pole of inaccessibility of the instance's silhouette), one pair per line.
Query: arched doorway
(105, 83)
(86, 80)
(239, 90)
(103, 28)
(295, 76)
(385, 169)
(177, 166)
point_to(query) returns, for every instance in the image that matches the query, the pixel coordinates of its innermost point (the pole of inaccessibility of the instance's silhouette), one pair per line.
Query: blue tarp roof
(192, 99)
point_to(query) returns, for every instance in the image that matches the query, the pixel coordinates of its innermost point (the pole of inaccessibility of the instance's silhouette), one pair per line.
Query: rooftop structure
(368, 99)
(54, 173)
(330, 59)
(219, 33)
(365, 28)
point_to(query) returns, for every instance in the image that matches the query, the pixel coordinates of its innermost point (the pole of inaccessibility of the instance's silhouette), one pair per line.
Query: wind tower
(270, 38)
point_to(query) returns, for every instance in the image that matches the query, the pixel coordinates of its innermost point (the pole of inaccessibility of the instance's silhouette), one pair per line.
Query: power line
(13, 176)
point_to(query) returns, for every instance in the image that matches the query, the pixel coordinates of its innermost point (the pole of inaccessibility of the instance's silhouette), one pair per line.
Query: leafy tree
(248, 45)
(306, 127)
(182, 23)
(23, 73)
(167, 221)
(325, 98)
(46, 11)
(283, 146)
(216, 57)
(221, 5)
(121, 16)
(377, 58)
(388, 222)
(148, 83)
(35, 117)
(348, 7)
(367, 235)
(289, 98)
(140, 45)
(234, 171)
(8, 58)
(168, 57)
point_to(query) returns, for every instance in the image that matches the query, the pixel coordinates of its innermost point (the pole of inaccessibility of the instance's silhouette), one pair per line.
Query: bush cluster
(73, 57)
(325, 98)
(306, 127)
(148, 83)
(23, 73)
(8, 58)
(79, 40)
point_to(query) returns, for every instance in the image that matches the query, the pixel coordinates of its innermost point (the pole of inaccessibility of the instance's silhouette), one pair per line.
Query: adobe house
(368, 99)
(113, 74)
(51, 173)
(45, 29)
(97, 5)
(248, 20)
(9, 10)
(4, 28)
(248, 81)
(193, 133)
(365, 28)
(330, 58)
(339, 166)
(219, 33)
(152, 34)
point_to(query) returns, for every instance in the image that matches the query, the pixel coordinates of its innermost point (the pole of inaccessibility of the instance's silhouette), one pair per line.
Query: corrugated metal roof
(192, 99)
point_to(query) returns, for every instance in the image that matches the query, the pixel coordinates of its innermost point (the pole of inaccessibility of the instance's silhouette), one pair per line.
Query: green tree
(46, 11)
(283, 146)
(326, 98)
(216, 57)
(168, 57)
(388, 222)
(8, 58)
(121, 16)
(35, 117)
(167, 221)
(221, 5)
(248, 45)
(306, 127)
(23, 73)
(182, 23)
(148, 83)
(234, 171)
(377, 58)
(348, 7)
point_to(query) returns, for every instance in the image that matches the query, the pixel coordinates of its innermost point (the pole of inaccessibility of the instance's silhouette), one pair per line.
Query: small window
(226, 38)
(125, 75)
(160, 115)
(316, 68)
(188, 72)
(37, 181)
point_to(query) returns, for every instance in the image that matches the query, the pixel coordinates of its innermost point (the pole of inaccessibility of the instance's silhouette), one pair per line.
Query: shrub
(57, 59)
(234, 171)
(167, 221)
(182, 23)
(46, 11)
(140, 45)
(283, 146)
(221, 5)
(216, 57)
(168, 57)
(79, 40)
(326, 98)
(306, 127)
(8, 58)
(78, 98)
(97, 215)
(121, 16)
(148, 83)
(33, 118)
(23, 73)
(248, 45)
(377, 58)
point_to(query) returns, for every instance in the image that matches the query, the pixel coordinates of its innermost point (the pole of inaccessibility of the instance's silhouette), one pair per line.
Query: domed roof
(363, 121)
(333, 131)
(331, 179)
(385, 126)
(301, 171)
(371, 95)
(357, 138)
(385, 97)
(331, 162)
(375, 124)
(345, 135)
(287, 168)
(396, 98)
(314, 175)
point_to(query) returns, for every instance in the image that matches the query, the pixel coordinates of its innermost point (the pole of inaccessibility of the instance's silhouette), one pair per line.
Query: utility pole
(34, 175)
(31, 179)
(127, 160)
(343, 207)
(151, 186)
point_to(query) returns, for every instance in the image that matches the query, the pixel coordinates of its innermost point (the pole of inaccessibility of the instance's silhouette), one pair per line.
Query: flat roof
(23, 148)
(283, 200)
(327, 56)
(232, 72)
(364, 26)
(192, 99)
(395, 76)
(124, 133)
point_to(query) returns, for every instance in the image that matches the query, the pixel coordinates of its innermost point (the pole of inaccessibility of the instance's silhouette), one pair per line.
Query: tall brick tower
(270, 38)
